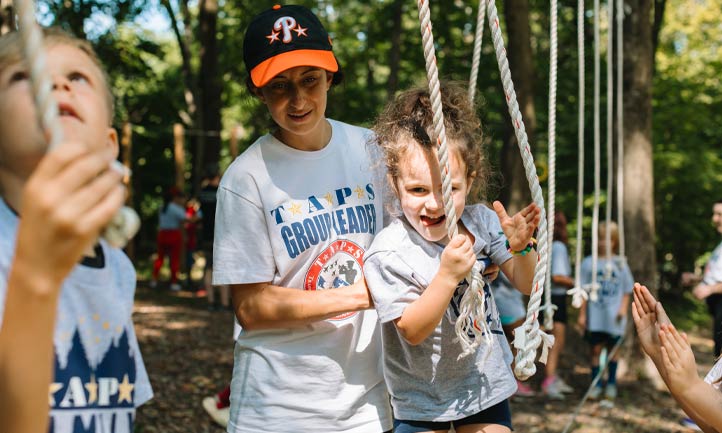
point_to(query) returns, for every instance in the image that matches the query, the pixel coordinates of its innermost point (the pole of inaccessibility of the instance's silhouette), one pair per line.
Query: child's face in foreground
(419, 190)
(79, 90)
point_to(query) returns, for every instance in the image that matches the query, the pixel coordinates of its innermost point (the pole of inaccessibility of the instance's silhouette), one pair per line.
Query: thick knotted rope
(476, 58)
(473, 303)
(125, 223)
(552, 186)
(528, 336)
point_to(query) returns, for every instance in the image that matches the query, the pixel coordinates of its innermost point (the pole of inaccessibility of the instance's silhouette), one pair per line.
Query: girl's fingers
(662, 317)
(58, 159)
(500, 210)
(90, 194)
(83, 170)
(635, 314)
(666, 359)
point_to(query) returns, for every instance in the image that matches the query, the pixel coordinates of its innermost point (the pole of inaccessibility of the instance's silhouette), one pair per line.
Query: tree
(515, 192)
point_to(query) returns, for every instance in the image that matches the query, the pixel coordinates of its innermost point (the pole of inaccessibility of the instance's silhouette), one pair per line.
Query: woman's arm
(265, 306)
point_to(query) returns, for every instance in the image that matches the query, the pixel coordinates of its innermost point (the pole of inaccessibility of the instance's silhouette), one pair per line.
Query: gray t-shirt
(427, 382)
(614, 283)
(560, 266)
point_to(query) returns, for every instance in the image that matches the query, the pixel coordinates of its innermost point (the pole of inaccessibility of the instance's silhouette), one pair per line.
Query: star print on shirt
(359, 191)
(295, 209)
(328, 197)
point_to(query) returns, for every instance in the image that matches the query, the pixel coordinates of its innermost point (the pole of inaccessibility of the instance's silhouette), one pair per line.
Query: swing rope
(476, 58)
(620, 126)
(594, 287)
(610, 138)
(527, 337)
(578, 294)
(552, 131)
(126, 222)
(473, 303)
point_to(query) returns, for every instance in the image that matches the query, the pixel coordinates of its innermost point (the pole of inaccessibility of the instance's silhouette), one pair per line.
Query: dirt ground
(188, 351)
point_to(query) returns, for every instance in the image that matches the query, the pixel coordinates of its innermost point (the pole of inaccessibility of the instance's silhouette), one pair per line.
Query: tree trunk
(209, 142)
(395, 51)
(638, 165)
(7, 16)
(515, 191)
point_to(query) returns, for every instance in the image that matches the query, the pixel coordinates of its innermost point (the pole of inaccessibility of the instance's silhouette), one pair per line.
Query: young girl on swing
(416, 274)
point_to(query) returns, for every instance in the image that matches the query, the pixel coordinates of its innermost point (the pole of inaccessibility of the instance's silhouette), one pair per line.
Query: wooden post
(233, 145)
(180, 155)
(180, 179)
(126, 143)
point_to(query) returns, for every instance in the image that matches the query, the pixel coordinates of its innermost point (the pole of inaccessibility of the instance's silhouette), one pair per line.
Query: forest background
(180, 62)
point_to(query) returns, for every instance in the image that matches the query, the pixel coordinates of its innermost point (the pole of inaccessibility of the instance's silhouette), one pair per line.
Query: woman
(296, 211)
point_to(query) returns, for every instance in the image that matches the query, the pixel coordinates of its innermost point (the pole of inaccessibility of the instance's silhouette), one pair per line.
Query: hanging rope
(595, 213)
(476, 58)
(552, 128)
(126, 222)
(579, 295)
(620, 126)
(528, 336)
(610, 138)
(473, 303)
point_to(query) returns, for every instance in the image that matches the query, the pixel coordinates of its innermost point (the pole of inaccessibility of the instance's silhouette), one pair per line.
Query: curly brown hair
(410, 115)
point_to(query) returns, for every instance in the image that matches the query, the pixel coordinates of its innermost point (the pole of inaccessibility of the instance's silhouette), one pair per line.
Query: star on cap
(273, 37)
(300, 31)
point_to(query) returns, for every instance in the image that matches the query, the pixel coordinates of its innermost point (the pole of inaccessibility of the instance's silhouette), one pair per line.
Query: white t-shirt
(615, 280)
(100, 378)
(714, 375)
(303, 220)
(713, 269)
(426, 381)
(560, 266)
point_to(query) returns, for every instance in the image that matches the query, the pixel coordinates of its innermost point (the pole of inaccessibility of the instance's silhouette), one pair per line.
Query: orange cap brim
(266, 70)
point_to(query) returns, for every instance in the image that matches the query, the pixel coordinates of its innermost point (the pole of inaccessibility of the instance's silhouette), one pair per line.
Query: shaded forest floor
(188, 351)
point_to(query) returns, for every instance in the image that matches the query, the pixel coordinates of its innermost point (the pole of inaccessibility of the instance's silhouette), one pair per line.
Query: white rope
(620, 126)
(528, 336)
(552, 186)
(473, 303)
(579, 295)
(595, 213)
(126, 222)
(610, 138)
(476, 58)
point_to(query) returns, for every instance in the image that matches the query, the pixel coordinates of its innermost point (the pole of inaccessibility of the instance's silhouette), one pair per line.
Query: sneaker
(551, 388)
(610, 393)
(219, 415)
(563, 387)
(523, 390)
(175, 287)
(595, 393)
(690, 424)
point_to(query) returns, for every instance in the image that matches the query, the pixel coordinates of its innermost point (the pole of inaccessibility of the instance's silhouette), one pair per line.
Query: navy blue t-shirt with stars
(100, 378)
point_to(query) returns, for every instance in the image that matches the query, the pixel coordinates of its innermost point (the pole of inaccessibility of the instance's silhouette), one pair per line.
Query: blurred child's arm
(70, 197)
(695, 395)
(421, 317)
(623, 307)
(519, 230)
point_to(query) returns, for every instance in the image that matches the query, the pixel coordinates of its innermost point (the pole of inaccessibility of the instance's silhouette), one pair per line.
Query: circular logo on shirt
(338, 265)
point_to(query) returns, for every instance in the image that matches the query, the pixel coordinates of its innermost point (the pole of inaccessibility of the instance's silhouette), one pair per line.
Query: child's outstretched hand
(457, 258)
(520, 227)
(648, 315)
(678, 360)
(69, 198)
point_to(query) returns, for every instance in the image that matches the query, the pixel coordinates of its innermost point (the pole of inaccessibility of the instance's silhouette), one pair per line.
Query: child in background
(171, 219)
(606, 318)
(672, 355)
(416, 274)
(512, 312)
(99, 378)
(554, 386)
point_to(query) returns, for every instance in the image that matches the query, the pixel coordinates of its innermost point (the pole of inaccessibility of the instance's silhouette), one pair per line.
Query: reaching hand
(519, 228)
(70, 197)
(678, 360)
(457, 258)
(647, 322)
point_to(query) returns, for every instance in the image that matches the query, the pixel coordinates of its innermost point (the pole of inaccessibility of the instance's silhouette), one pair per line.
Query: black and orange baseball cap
(285, 37)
